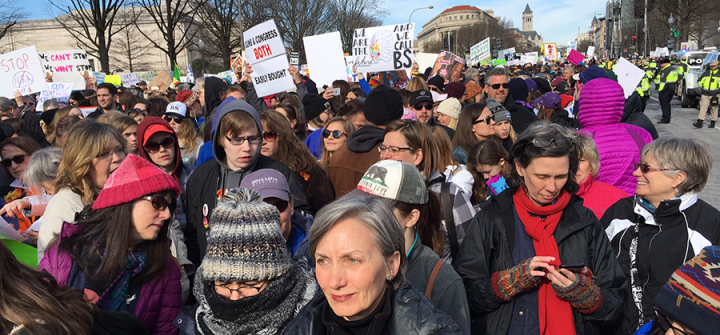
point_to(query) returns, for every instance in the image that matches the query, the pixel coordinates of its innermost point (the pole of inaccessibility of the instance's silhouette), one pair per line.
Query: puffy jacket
(599, 196)
(488, 248)
(159, 301)
(412, 314)
(602, 103)
(350, 162)
(664, 240)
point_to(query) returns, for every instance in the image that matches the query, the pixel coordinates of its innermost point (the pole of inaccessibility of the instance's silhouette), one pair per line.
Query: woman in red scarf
(511, 259)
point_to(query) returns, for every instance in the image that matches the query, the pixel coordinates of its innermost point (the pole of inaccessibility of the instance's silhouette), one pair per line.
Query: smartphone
(336, 92)
(573, 267)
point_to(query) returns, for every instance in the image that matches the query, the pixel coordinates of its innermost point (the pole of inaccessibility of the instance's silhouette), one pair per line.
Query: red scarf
(556, 315)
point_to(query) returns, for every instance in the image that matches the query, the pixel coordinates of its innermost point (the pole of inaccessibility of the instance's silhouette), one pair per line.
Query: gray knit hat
(246, 243)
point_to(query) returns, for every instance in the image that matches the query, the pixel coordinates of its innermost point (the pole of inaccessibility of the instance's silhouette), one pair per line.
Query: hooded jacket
(634, 114)
(213, 89)
(602, 103)
(521, 117)
(349, 162)
(651, 244)
(211, 179)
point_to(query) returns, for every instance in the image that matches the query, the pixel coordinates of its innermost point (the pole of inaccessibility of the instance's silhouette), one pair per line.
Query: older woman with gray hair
(359, 251)
(665, 224)
(598, 195)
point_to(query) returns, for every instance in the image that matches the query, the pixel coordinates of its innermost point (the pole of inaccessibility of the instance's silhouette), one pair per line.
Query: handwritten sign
(385, 48)
(550, 51)
(129, 79)
(263, 42)
(480, 53)
(325, 52)
(237, 63)
(162, 81)
(21, 70)
(66, 65)
(59, 91)
(99, 77)
(271, 76)
(590, 52)
(145, 76)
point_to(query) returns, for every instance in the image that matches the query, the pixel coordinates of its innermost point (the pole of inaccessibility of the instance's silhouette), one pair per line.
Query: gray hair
(43, 166)
(7, 104)
(373, 212)
(590, 152)
(687, 155)
(496, 71)
(199, 83)
(572, 70)
(471, 72)
(51, 104)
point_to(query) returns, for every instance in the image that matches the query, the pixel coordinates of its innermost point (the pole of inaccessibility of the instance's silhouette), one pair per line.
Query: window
(456, 17)
(467, 17)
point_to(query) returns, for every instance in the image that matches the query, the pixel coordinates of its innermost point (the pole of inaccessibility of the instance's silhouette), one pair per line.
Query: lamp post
(671, 20)
(201, 44)
(413, 12)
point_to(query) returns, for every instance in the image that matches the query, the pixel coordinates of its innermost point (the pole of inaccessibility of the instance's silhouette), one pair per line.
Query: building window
(456, 17)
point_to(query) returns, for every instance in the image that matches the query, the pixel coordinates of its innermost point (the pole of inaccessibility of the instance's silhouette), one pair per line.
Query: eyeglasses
(335, 133)
(666, 324)
(154, 147)
(486, 120)
(223, 289)
(562, 142)
(178, 119)
(644, 168)
(239, 141)
(497, 86)
(19, 159)
(393, 150)
(158, 202)
(419, 107)
(120, 152)
(270, 136)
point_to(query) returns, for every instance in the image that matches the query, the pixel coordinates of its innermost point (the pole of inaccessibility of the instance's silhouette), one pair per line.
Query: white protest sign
(325, 52)
(652, 54)
(385, 48)
(66, 66)
(59, 91)
(99, 77)
(271, 76)
(229, 75)
(506, 52)
(628, 76)
(480, 51)
(146, 76)
(263, 42)
(129, 79)
(590, 52)
(7, 231)
(21, 70)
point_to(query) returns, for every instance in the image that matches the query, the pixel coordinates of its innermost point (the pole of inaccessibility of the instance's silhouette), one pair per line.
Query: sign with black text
(385, 48)
(272, 76)
(66, 66)
(21, 70)
(263, 42)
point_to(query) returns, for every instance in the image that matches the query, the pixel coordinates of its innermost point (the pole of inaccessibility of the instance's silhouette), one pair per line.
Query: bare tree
(9, 16)
(223, 24)
(92, 22)
(347, 16)
(433, 46)
(691, 18)
(174, 19)
(299, 18)
(582, 45)
(130, 44)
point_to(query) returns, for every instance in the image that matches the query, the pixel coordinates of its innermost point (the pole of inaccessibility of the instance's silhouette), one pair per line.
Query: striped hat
(692, 296)
(245, 243)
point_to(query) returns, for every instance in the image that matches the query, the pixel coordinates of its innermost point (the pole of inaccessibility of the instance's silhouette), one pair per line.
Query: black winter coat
(488, 248)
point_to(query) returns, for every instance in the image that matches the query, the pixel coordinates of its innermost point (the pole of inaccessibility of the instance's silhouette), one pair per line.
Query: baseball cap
(549, 100)
(395, 181)
(142, 82)
(562, 88)
(176, 107)
(714, 63)
(269, 183)
(420, 96)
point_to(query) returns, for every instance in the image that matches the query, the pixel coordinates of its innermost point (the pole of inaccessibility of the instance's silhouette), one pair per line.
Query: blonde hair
(188, 135)
(417, 83)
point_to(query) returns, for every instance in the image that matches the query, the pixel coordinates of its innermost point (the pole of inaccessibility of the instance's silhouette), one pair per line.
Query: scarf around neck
(540, 223)
(113, 298)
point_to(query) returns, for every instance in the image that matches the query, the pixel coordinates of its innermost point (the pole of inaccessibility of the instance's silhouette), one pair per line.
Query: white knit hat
(450, 107)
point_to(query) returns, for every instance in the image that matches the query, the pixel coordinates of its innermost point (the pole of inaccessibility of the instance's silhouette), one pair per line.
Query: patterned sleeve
(463, 212)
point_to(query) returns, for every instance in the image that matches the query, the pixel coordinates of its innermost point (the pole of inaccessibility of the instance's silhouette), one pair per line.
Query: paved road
(681, 125)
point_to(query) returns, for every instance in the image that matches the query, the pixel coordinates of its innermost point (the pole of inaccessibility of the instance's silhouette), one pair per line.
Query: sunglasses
(19, 159)
(158, 202)
(486, 120)
(644, 168)
(564, 143)
(154, 147)
(177, 119)
(666, 324)
(270, 136)
(279, 204)
(497, 86)
(335, 133)
(419, 107)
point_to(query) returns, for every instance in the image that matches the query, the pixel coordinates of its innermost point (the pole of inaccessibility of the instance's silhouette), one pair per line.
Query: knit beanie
(601, 102)
(135, 178)
(472, 89)
(437, 81)
(245, 243)
(692, 295)
(188, 97)
(383, 105)
(543, 86)
(557, 81)
(455, 90)
(450, 107)
(314, 105)
(518, 89)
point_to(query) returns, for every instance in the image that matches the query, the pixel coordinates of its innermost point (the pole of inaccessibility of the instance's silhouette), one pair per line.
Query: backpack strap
(447, 209)
(433, 275)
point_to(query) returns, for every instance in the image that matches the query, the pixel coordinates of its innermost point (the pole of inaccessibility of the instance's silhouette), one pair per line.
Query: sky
(556, 21)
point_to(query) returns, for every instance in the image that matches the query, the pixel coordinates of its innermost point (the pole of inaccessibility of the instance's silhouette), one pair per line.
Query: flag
(190, 75)
(176, 75)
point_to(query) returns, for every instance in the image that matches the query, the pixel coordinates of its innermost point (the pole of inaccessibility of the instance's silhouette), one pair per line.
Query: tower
(527, 19)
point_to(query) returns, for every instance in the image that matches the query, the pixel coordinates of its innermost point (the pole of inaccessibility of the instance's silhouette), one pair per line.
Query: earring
(389, 277)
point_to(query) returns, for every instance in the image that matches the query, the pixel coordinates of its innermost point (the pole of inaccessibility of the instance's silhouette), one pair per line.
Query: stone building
(442, 26)
(527, 28)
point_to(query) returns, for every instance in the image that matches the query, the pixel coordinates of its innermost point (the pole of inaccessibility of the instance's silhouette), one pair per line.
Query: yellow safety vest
(667, 75)
(711, 82)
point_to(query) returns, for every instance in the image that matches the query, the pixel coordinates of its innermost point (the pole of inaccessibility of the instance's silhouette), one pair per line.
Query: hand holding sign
(22, 71)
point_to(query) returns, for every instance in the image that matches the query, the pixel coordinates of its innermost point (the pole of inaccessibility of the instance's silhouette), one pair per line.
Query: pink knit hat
(135, 178)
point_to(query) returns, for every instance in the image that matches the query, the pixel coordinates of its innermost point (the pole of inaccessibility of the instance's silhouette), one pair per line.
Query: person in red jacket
(598, 195)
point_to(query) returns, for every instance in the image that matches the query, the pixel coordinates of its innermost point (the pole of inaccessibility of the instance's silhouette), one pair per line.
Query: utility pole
(645, 30)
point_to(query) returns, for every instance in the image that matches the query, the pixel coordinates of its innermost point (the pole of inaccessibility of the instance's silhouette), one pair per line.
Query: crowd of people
(531, 199)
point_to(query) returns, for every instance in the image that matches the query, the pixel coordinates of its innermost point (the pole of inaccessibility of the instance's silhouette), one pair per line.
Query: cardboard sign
(575, 57)
(162, 81)
(129, 79)
(21, 70)
(263, 42)
(590, 52)
(66, 65)
(271, 76)
(550, 51)
(325, 52)
(59, 91)
(384, 48)
(628, 76)
(480, 53)
(449, 66)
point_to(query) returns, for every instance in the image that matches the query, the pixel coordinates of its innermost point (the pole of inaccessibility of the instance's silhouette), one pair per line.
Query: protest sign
(24, 253)
(129, 79)
(228, 75)
(325, 52)
(262, 42)
(145, 76)
(628, 76)
(66, 65)
(385, 48)
(652, 54)
(59, 91)
(590, 52)
(449, 66)
(480, 53)
(425, 60)
(237, 64)
(162, 81)
(575, 57)
(21, 70)
(113, 79)
(99, 77)
(506, 54)
(271, 76)
(550, 51)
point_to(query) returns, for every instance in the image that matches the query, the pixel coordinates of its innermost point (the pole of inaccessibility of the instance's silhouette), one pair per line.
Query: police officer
(667, 79)
(709, 82)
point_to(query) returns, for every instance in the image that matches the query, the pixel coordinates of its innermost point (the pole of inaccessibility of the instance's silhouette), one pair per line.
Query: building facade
(527, 28)
(443, 26)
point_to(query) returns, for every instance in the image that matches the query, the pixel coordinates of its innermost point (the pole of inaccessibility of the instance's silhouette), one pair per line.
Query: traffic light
(671, 44)
(499, 43)
(634, 38)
